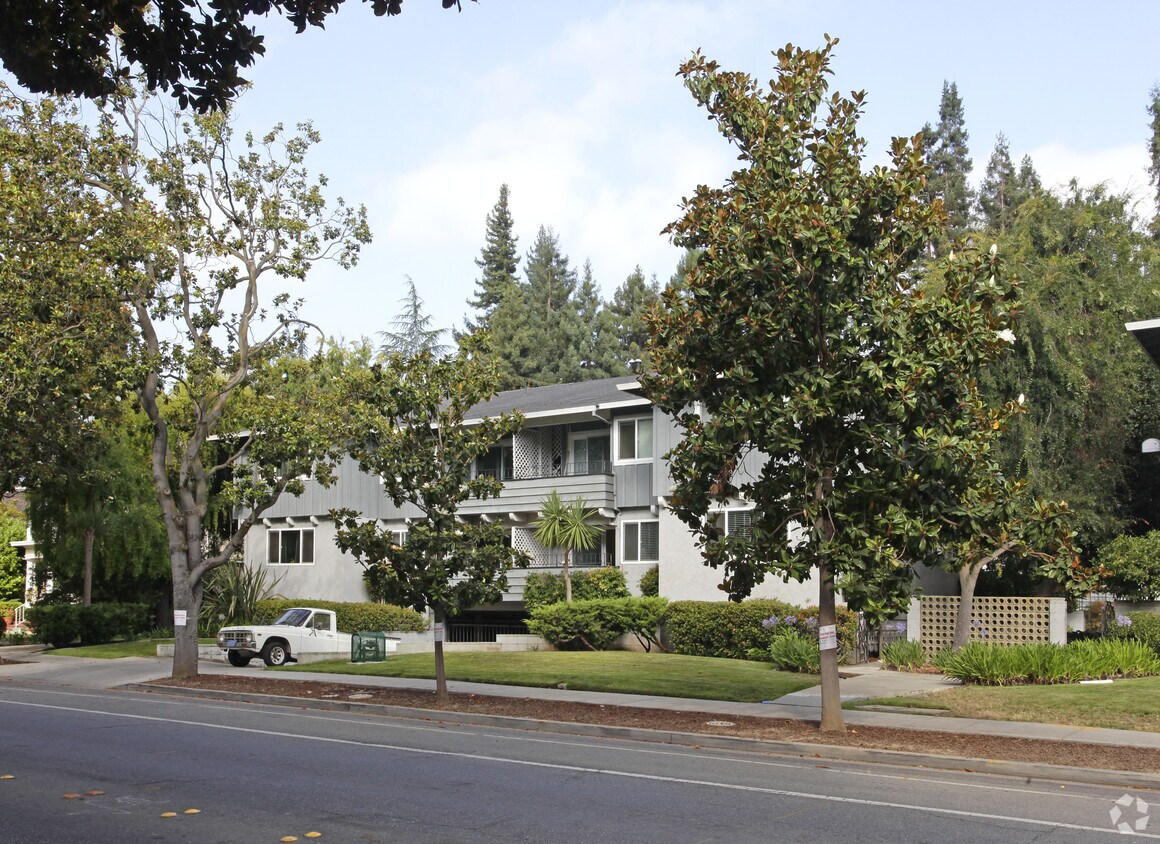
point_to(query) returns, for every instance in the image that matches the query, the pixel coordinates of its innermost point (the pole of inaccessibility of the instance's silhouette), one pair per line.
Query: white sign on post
(828, 637)
(179, 618)
(439, 631)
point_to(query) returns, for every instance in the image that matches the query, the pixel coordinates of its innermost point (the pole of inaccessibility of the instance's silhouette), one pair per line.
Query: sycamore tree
(408, 428)
(196, 224)
(805, 334)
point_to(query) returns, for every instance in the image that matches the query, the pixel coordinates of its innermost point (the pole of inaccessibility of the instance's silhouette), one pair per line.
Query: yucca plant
(232, 593)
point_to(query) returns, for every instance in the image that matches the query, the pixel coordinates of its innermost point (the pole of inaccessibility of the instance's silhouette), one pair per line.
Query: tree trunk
(567, 579)
(87, 589)
(832, 720)
(440, 676)
(187, 598)
(968, 577)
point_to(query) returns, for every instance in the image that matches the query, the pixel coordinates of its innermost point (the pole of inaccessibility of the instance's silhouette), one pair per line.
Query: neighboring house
(599, 440)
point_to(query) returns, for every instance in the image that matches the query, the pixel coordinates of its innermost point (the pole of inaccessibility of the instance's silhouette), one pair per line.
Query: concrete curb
(1026, 770)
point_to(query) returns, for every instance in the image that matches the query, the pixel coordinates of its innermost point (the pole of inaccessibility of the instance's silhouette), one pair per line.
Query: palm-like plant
(566, 526)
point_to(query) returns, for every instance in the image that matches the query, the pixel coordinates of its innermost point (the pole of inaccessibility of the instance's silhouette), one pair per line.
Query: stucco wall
(334, 576)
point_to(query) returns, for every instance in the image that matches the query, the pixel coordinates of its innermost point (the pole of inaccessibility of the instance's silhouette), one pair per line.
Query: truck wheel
(275, 653)
(237, 660)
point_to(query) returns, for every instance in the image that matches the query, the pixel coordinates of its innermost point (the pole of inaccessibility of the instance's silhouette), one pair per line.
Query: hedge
(62, 624)
(352, 617)
(596, 624)
(543, 588)
(650, 582)
(733, 630)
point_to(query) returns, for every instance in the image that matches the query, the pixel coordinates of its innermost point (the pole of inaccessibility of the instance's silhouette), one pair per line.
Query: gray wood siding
(666, 435)
(525, 494)
(352, 488)
(634, 484)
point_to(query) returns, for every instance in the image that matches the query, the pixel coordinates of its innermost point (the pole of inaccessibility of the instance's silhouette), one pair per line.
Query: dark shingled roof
(582, 394)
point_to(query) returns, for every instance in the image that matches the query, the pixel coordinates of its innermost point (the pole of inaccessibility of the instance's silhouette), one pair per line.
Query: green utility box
(368, 646)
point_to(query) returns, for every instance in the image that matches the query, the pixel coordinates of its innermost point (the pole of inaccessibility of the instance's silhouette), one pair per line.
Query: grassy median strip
(667, 675)
(117, 650)
(1122, 704)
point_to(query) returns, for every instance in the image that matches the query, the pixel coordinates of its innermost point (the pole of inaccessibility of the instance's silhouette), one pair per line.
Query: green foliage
(408, 431)
(1085, 268)
(351, 617)
(232, 593)
(1143, 627)
(902, 655)
(566, 526)
(196, 52)
(1134, 566)
(734, 630)
(61, 624)
(497, 262)
(596, 624)
(791, 651)
(631, 301)
(650, 582)
(1090, 659)
(411, 330)
(802, 337)
(12, 526)
(950, 164)
(542, 588)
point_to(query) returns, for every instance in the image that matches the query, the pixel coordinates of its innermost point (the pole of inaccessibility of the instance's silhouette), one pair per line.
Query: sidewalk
(862, 682)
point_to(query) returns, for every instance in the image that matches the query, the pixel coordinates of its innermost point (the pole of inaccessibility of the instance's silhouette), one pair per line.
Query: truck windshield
(293, 618)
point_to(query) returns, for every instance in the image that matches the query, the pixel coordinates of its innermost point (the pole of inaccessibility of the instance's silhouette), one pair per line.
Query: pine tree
(497, 262)
(1154, 154)
(630, 302)
(597, 331)
(950, 163)
(679, 279)
(412, 332)
(997, 193)
(1028, 181)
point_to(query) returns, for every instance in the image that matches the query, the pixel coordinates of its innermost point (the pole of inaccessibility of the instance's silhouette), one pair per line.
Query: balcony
(591, 480)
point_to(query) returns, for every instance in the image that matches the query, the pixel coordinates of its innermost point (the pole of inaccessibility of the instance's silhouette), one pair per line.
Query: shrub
(1135, 565)
(8, 606)
(596, 624)
(740, 631)
(650, 582)
(791, 651)
(1140, 626)
(62, 624)
(903, 655)
(1090, 659)
(352, 617)
(543, 588)
(232, 593)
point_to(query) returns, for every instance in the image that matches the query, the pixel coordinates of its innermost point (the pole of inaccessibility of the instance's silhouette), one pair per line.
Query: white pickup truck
(300, 630)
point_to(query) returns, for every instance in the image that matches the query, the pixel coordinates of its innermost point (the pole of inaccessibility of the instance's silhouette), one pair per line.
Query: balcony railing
(564, 470)
(482, 632)
(578, 559)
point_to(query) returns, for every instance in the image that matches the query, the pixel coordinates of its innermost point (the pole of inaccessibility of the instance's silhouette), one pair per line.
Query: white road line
(827, 798)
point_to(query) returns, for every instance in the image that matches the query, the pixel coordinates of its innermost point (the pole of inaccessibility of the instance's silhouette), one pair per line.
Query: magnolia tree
(196, 224)
(409, 429)
(806, 334)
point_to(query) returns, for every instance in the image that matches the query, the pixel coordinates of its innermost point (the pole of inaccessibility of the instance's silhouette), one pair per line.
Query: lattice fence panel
(1002, 621)
(522, 540)
(526, 454)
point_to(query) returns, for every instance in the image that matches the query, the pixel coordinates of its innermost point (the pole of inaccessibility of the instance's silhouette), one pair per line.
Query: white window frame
(636, 420)
(637, 551)
(302, 532)
(722, 517)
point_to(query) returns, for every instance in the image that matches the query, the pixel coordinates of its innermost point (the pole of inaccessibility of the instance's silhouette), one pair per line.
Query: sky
(576, 105)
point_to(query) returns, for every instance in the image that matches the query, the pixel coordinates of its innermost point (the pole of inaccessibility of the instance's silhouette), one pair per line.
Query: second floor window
(634, 440)
(290, 547)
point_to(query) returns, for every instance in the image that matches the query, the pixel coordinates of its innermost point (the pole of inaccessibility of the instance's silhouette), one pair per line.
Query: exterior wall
(684, 577)
(333, 576)
(352, 488)
(525, 495)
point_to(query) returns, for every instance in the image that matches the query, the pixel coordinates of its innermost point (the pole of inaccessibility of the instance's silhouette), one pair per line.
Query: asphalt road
(105, 766)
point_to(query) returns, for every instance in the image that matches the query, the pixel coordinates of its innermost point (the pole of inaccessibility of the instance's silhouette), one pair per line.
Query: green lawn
(1123, 704)
(117, 650)
(668, 675)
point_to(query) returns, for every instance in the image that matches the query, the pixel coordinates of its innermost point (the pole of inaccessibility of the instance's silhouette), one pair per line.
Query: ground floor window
(290, 546)
(641, 541)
